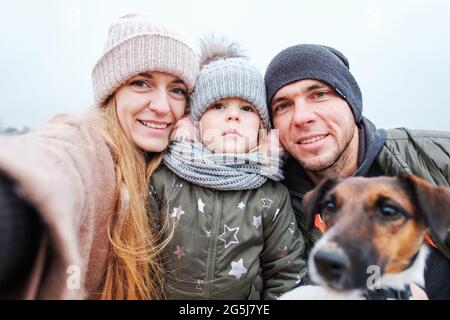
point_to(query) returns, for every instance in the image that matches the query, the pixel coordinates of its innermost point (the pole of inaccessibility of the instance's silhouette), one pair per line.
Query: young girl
(236, 235)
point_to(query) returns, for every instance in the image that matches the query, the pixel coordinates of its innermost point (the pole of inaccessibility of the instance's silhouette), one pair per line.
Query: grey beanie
(226, 73)
(307, 61)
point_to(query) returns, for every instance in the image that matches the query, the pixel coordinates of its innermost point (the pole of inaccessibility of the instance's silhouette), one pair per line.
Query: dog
(374, 235)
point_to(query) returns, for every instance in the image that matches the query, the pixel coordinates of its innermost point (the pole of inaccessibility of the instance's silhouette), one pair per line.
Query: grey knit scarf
(194, 162)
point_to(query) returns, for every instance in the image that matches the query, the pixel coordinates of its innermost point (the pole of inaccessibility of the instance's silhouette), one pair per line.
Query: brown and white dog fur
(372, 222)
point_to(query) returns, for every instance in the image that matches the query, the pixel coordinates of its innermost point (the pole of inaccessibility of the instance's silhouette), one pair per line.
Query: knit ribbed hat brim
(230, 80)
(315, 62)
(226, 73)
(137, 45)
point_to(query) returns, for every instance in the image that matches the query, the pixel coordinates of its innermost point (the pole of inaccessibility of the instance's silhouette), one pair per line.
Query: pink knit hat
(135, 44)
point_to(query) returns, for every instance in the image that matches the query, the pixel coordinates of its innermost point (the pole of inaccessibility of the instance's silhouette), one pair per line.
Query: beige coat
(65, 169)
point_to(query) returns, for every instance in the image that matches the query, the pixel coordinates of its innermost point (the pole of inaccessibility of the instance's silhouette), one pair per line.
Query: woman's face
(148, 106)
(230, 126)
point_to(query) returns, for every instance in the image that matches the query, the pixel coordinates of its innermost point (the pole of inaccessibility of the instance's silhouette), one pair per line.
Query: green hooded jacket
(229, 244)
(424, 153)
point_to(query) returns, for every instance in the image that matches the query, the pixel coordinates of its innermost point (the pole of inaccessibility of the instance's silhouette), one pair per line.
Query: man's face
(315, 124)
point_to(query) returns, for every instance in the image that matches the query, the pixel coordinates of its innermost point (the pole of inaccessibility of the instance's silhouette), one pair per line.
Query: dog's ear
(433, 203)
(312, 198)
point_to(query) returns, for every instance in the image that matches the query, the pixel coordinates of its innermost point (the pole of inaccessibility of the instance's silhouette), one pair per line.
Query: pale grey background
(399, 51)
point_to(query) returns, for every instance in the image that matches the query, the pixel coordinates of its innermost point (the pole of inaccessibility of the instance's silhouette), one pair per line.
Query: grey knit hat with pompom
(227, 73)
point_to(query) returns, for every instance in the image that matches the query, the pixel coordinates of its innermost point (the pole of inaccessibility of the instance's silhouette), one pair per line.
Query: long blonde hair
(134, 266)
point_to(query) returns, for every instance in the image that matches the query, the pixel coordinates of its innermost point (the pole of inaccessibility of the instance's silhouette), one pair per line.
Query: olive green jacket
(424, 153)
(229, 244)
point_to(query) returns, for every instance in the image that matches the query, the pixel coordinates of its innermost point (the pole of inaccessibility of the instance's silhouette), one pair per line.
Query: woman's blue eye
(138, 83)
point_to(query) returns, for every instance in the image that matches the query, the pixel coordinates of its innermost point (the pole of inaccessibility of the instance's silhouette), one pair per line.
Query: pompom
(216, 48)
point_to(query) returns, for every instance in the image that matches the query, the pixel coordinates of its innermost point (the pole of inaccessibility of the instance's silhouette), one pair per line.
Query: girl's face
(230, 126)
(148, 106)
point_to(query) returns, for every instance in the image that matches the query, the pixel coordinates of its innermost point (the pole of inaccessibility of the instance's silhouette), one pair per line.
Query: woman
(87, 176)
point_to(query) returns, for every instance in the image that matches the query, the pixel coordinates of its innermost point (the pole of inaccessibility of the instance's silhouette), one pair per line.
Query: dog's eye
(329, 205)
(390, 212)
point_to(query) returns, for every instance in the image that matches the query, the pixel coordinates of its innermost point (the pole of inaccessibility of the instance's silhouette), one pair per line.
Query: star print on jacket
(267, 203)
(179, 252)
(176, 183)
(241, 205)
(200, 205)
(227, 232)
(200, 284)
(257, 221)
(292, 225)
(237, 269)
(177, 213)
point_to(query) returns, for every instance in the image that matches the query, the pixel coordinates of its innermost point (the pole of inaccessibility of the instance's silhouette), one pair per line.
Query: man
(316, 104)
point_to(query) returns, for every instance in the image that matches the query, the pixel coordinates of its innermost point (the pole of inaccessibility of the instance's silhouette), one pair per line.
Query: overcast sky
(399, 51)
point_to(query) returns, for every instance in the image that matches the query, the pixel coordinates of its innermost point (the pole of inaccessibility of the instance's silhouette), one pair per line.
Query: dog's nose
(332, 265)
